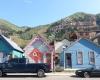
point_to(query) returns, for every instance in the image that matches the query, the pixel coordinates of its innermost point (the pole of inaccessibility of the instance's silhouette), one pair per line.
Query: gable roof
(12, 44)
(83, 39)
(34, 40)
(60, 45)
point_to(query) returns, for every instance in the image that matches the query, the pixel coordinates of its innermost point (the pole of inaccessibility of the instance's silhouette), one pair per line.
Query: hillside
(21, 35)
(76, 22)
(5, 25)
(55, 31)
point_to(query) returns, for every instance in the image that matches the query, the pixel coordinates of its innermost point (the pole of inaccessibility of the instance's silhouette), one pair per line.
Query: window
(91, 57)
(81, 34)
(80, 57)
(86, 33)
(22, 60)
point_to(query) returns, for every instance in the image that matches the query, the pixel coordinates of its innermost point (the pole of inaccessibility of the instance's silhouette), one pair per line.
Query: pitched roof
(60, 45)
(13, 44)
(34, 39)
(83, 39)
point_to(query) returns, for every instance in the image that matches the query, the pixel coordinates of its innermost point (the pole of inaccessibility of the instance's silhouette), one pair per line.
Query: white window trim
(82, 57)
(90, 62)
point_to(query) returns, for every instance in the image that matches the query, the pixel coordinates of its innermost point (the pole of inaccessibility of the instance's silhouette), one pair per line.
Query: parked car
(89, 72)
(20, 65)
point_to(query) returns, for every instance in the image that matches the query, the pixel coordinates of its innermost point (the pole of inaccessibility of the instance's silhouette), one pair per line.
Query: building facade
(38, 51)
(81, 54)
(9, 49)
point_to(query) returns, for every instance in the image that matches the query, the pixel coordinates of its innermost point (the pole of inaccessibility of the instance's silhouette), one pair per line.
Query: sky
(40, 12)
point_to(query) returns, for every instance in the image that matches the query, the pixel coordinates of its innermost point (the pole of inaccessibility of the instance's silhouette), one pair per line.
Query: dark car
(20, 65)
(89, 72)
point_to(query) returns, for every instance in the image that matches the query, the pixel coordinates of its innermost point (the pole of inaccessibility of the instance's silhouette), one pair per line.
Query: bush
(26, 36)
(59, 69)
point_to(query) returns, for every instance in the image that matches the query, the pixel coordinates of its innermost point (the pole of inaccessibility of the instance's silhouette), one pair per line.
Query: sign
(36, 55)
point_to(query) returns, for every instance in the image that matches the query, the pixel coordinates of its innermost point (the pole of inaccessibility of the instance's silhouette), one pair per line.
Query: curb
(60, 74)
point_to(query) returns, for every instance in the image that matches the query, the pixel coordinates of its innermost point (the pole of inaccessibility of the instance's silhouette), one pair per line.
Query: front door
(68, 60)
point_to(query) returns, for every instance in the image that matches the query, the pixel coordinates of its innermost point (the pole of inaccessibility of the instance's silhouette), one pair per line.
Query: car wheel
(1, 74)
(4, 74)
(86, 75)
(40, 73)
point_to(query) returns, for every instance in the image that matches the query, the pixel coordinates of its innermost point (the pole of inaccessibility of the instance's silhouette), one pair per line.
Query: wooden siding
(85, 46)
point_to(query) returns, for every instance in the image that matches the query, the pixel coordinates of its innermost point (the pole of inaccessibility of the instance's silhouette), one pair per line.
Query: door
(31, 68)
(68, 60)
(20, 67)
(14, 67)
(95, 72)
(9, 67)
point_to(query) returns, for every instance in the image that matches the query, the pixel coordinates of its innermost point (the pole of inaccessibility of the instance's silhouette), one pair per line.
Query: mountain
(98, 19)
(5, 25)
(79, 21)
(58, 30)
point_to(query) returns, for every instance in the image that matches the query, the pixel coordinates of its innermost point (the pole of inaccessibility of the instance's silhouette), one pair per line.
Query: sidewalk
(60, 73)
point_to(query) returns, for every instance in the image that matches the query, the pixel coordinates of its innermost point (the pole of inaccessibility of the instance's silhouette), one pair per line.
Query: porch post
(52, 55)
(64, 60)
(52, 61)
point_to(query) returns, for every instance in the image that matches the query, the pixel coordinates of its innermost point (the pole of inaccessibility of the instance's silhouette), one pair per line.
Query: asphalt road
(48, 77)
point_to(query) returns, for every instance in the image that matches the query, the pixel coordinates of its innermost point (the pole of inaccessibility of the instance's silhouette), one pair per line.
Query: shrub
(59, 69)
(26, 36)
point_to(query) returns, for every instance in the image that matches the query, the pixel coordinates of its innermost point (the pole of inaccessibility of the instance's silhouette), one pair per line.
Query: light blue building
(82, 53)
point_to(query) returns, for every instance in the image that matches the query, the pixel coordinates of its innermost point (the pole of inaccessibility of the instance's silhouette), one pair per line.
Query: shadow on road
(74, 76)
(20, 76)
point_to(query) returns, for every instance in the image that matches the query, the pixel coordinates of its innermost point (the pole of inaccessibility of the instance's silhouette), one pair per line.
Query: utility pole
(52, 56)
(52, 45)
(52, 60)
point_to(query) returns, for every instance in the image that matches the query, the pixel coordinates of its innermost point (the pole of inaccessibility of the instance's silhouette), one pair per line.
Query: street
(48, 77)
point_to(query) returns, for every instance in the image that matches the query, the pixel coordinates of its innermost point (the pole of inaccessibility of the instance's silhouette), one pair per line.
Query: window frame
(81, 58)
(90, 59)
